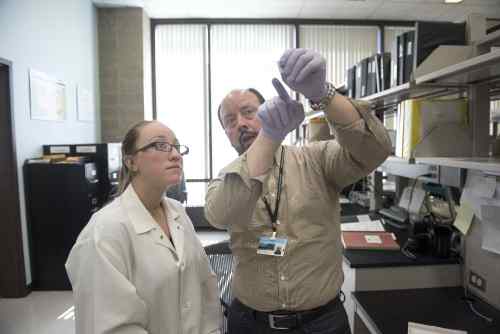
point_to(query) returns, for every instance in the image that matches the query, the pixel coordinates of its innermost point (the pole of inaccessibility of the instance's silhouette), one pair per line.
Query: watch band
(325, 101)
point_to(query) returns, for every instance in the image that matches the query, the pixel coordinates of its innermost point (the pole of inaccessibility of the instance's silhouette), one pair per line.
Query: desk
(388, 270)
(388, 312)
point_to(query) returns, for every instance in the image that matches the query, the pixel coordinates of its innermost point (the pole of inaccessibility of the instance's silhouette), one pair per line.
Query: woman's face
(153, 164)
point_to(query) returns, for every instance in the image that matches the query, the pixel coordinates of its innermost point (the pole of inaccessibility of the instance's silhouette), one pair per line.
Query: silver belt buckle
(271, 321)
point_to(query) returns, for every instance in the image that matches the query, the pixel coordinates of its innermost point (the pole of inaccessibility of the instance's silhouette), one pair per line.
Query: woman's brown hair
(128, 148)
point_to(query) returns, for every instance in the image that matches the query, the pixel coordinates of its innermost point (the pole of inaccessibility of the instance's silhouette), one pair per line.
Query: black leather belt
(288, 320)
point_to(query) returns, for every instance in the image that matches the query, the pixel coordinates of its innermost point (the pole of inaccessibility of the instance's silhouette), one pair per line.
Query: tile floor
(51, 312)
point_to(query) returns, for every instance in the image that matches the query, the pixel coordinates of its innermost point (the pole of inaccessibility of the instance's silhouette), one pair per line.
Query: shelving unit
(478, 78)
(492, 39)
(486, 164)
(478, 70)
(391, 97)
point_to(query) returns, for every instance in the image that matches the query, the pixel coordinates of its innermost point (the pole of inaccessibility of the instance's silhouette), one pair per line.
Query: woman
(138, 267)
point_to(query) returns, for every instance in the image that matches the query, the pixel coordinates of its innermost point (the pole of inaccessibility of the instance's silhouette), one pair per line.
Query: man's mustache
(245, 133)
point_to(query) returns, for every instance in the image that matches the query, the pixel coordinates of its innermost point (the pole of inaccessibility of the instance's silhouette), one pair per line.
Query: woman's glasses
(164, 147)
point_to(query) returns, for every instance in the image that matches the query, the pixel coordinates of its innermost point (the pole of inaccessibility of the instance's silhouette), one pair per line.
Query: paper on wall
(478, 190)
(491, 228)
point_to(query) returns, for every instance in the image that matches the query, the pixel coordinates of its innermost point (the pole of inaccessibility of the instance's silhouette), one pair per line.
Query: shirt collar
(141, 219)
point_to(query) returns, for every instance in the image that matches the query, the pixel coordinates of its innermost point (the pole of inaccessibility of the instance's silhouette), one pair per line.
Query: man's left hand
(304, 71)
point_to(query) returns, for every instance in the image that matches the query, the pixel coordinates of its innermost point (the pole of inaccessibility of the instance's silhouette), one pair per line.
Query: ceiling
(434, 10)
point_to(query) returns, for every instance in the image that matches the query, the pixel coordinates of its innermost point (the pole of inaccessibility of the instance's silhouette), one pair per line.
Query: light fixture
(453, 1)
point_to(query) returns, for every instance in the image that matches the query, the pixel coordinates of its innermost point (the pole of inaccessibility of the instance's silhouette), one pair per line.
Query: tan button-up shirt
(128, 277)
(310, 274)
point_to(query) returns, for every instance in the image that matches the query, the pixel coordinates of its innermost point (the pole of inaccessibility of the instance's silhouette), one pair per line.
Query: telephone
(426, 237)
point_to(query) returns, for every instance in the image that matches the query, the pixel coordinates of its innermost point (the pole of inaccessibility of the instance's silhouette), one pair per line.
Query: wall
(57, 37)
(483, 263)
(121, 68)
(148, 89)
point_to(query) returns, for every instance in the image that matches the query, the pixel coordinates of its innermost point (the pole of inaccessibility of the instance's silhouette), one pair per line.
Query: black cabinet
(60, 200)
(107, 158)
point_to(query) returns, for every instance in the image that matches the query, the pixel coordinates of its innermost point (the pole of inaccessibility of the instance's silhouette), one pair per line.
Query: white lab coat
(128, 278)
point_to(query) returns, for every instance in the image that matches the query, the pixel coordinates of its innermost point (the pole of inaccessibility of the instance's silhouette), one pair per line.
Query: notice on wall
(491, 228)
(84, 105)
(47, 97)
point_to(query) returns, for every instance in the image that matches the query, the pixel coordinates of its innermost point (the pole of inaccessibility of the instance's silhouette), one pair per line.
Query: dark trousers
(243, 320)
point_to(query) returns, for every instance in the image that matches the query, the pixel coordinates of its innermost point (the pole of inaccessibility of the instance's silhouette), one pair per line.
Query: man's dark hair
(252, 90)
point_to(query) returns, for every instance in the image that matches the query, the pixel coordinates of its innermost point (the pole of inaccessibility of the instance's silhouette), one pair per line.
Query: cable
(469, 301)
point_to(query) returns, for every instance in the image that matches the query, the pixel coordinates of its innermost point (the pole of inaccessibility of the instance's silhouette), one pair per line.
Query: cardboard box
(433, 128)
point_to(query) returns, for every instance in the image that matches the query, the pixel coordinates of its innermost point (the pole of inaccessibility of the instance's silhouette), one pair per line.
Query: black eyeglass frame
(164, 146)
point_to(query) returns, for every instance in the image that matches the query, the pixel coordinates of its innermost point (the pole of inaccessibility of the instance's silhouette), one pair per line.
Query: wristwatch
(325, 101)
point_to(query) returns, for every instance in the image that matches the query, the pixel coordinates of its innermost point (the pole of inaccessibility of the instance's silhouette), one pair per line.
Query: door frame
(13, 278)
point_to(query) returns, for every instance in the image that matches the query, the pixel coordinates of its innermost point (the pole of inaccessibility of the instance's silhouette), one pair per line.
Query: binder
(378, 74)
(370, 84)
(351, 82)
(357, 80)
(369, 240)
(364, 77)
(385, 71)
(394, 63)
(409, 52)
(401, 58)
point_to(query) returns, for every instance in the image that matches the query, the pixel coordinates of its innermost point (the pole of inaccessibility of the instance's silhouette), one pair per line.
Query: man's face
(238, 113)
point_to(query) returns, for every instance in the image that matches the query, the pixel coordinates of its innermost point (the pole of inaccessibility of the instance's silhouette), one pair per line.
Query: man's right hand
(280, 115)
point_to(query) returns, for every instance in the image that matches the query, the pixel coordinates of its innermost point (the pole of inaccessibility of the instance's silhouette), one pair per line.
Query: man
(287, 199)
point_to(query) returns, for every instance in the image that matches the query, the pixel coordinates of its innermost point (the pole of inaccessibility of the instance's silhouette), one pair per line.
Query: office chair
(221, 260)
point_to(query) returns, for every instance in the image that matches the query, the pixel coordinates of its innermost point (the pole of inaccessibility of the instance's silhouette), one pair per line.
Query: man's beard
(245, 139)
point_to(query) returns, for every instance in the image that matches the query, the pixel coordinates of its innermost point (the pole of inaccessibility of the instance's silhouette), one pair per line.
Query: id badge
(272, 246)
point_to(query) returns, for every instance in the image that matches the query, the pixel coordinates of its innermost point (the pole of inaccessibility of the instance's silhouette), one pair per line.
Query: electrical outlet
(477, 281)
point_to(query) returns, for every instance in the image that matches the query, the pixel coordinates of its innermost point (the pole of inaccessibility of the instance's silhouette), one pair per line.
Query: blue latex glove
(304, 71)
(280, 115)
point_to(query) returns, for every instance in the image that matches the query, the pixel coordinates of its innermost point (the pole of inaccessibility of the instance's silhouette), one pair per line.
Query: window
(180, 90)
(243, 56)
(342, 46)
(240, 56)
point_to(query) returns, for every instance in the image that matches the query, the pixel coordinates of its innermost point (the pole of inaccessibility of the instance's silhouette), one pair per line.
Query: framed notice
(47, 97)
(84, 104)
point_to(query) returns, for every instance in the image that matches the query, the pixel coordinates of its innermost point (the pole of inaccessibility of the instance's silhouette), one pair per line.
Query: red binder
(369, 240)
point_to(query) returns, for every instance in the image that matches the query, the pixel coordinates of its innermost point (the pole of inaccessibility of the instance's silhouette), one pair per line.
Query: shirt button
(283, 278)
(283, 306)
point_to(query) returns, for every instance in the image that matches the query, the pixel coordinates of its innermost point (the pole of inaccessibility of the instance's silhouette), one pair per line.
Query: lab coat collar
(141, 219)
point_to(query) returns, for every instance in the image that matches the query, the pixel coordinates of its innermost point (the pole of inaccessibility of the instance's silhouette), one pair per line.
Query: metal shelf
(419, 166)
(486, 165)
(403, 167)
(478, 70)
(491, 39)
(391, 97)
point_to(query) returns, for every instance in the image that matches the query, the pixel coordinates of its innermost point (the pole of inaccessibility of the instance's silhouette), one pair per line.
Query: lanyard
(274, 214)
